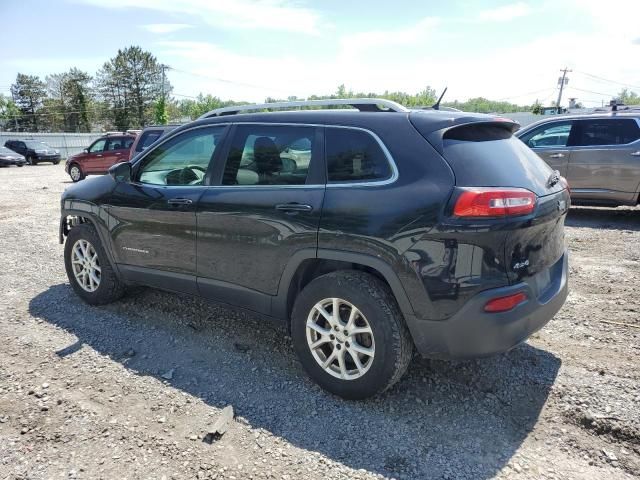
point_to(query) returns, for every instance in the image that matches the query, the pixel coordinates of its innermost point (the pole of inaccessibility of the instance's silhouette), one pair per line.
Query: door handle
(556, 155)
(98, 155)
(294, 207)
(636, 154)
(178, 202)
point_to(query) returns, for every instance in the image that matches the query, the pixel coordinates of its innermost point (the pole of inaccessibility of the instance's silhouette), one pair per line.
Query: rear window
(490, 156)
(606, 132)
(354, 156)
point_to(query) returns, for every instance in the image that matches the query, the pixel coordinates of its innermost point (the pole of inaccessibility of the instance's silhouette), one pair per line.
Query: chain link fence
(66, 143)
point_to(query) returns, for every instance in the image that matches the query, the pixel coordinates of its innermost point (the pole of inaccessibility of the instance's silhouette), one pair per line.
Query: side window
(98, 146)
(269, 155)
(607, 132)
(127, 142)
(354, 156)
(147, 138)
(551, 135)
(183, 160)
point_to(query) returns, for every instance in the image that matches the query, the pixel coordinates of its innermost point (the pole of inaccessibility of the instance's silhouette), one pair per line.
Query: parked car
(426, 229)
(148, 136)
(9, 157)
(598, 154)
(34, 151)
(100, 155)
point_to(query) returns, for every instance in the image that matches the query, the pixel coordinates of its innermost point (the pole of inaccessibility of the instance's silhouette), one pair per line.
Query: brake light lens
(494, 202)
(504, 304)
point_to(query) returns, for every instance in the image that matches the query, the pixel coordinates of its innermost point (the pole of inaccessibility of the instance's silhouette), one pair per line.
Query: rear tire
(56, 162)
(375, 347)
(83, 251)
(75, 172)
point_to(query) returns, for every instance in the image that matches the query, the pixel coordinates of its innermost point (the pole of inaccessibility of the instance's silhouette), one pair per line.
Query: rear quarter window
(354, 156)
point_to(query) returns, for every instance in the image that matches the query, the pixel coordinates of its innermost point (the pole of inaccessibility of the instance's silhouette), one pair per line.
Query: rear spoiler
(435, 130)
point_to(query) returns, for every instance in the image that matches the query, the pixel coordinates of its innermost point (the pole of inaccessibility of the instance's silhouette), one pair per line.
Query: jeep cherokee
(368, 231)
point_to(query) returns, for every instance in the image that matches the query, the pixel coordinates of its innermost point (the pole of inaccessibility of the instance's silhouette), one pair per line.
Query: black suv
(34, 151)
(367, 231)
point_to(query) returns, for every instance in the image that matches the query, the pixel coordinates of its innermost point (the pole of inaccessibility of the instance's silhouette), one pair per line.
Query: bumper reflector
(502, 304)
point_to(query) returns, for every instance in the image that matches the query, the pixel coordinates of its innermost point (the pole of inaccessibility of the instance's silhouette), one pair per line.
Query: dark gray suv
(598, 154)
(367, 232)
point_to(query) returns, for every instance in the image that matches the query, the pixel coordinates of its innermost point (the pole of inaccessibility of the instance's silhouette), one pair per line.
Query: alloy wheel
(340, 338)
(74, 173)
(86, 267)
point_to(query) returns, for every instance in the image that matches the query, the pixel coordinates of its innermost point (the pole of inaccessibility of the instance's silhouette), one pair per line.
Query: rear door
(116, 150)
(605, 158)
(153, 217)
(265, 209)
(550, 142)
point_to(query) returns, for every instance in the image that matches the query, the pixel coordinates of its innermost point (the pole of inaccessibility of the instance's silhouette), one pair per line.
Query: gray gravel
(131, 390)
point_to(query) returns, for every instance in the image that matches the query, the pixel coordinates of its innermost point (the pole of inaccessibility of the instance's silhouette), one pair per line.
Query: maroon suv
(104, 152)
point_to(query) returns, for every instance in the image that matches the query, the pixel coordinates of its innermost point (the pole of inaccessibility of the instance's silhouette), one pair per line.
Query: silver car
(598, 154)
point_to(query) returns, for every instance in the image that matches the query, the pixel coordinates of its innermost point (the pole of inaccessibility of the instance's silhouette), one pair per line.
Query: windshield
(38, 145)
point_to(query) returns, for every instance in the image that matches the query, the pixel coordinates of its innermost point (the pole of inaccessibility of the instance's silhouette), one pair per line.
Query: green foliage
(484, 105)
(161, 116)
(628, 97)
(536, 108)
(29, 94)
(130, 83)
(69, 101)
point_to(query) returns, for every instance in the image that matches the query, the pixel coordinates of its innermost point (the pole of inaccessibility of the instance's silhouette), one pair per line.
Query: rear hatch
(485, 156)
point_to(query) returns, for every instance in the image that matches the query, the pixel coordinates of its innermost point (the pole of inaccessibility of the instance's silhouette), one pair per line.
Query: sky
(252, 49)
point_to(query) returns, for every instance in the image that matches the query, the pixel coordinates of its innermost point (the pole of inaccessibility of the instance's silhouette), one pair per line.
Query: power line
(591, 91)
(525, 94)
(607, 80)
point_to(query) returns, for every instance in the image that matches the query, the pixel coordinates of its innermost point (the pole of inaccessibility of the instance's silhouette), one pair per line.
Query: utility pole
(562, 81)
(164, 67)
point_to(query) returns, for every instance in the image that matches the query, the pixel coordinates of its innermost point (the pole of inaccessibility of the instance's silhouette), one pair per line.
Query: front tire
(349, 334)
(75, 172)
(88, 268)
(56, 162)
(31, 160)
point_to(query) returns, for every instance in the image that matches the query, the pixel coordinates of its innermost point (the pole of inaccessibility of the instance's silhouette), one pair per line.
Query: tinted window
(269, 155)
(183, 160)
(354, 156)
(147, 138)
(550, 135)
(98, 146)
(37, 145)
(607, 132)
(119, 143)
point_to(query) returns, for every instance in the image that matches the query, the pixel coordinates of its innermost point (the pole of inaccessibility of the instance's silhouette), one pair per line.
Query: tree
(69, 101)
(28, 93)
(131, 83)
(627, 97)
(161, 116)
(9, 113)
(536, 108)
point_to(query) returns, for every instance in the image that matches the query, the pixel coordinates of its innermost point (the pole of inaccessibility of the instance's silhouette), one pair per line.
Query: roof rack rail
(362, 104)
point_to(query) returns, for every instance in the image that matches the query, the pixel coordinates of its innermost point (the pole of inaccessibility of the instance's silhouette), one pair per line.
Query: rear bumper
(13, 161)
(472, 332)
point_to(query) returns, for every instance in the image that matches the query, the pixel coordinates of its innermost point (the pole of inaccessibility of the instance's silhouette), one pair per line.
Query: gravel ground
(130, 390)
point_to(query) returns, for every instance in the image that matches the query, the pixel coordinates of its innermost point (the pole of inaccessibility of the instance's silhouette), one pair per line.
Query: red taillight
(494, 202)
(502, 304)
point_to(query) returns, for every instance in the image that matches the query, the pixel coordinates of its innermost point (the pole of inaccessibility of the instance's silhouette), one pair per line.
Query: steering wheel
(189, 175)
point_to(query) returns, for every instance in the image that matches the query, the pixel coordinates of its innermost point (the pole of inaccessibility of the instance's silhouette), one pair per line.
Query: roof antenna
(436, 106)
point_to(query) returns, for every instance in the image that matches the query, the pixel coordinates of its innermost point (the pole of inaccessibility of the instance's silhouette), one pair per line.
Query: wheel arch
(306, 265)
(72, 217)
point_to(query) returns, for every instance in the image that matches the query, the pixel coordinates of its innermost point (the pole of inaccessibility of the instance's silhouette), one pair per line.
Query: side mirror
(85, 150)
(121, 172)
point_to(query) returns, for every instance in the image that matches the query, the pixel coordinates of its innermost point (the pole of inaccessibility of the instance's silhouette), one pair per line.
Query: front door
(550, 141)
(265, 210)
(605, 159)
(153, 217)
(92, 160)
